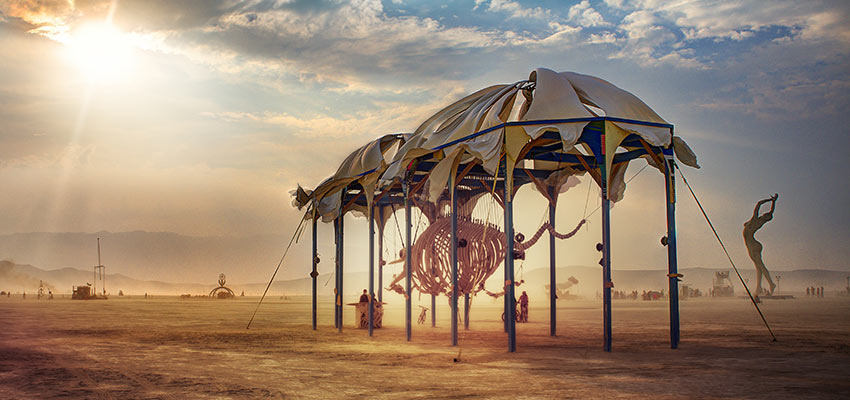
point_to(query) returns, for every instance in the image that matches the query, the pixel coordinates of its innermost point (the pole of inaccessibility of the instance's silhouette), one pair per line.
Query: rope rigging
(295, 235)
(710, 225)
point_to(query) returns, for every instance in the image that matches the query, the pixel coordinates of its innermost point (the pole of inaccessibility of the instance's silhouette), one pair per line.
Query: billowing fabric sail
(363, 166)
(473, 129)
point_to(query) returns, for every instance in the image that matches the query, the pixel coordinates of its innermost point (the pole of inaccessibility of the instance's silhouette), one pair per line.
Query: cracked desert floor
(168, 348)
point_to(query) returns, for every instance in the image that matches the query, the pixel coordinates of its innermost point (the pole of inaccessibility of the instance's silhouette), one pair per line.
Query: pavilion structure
(539, 131)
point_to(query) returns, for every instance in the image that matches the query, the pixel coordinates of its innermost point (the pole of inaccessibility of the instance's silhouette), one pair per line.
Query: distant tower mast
(99, 272)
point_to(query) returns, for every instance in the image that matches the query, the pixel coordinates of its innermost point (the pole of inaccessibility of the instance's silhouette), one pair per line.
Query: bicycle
(519, 315)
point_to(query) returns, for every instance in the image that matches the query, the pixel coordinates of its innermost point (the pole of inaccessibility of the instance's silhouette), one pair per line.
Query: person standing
(523, 307)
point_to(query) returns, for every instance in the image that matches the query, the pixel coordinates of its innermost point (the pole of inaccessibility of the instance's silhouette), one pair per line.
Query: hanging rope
(753, 300)
(329, 278)
(294, 236)
(587, 198)
(395, 218)
(627, 182)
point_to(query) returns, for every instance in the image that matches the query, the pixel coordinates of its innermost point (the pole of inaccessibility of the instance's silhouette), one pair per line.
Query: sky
(198, 117)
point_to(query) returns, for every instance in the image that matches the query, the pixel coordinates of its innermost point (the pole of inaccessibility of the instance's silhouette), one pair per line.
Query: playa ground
(167, 348)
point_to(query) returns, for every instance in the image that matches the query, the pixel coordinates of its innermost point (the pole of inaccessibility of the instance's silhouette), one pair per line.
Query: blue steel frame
(553, 290)
(381, 255)
(336, 273)
(371, 269)
(546, 148)
(408, 243)
(453, 194)
(315, 273)
(340, 296)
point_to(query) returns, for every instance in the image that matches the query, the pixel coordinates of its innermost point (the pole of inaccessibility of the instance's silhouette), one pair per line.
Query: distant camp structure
(562, 290)
(222, 292)
(722, 286)
(85, 292)
(89, 291)
(689, 291)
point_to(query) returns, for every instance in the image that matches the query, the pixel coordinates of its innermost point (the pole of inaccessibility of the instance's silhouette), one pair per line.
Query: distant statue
(754, 247)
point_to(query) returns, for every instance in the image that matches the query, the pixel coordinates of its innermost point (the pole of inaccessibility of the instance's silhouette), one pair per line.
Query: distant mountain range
(18, 278)
(158, 255)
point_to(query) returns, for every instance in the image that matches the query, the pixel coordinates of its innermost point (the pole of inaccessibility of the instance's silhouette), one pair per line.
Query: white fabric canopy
(447, 136)
(364, 166)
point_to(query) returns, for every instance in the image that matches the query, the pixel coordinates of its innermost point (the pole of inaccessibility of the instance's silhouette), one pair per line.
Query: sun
(101, 53)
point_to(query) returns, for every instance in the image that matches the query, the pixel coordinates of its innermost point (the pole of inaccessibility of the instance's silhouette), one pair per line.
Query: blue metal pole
(606, 271)
(606, 250)
(433, 311)
(553, 286)
(341, 269)
(510, 317)
(466, 311)
(336, 272)
(507, 312)
(315, 273)
(505, 273)
(381, 255)
(672, 263)
(371, 268)
(408, 224)
(453, 194)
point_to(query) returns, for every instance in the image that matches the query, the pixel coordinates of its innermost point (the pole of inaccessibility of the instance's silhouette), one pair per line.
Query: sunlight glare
(102, 53)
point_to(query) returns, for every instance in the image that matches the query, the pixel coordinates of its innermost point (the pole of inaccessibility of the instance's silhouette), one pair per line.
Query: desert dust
(168, 348)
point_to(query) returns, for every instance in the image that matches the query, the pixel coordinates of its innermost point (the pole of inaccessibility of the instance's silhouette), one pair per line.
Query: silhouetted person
(364, 298)
(523, 307)
(754, 247)
(807, 292)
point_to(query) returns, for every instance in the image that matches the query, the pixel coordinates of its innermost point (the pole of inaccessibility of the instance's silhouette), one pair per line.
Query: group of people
(622, 294)
(363, 310)
(814, 291)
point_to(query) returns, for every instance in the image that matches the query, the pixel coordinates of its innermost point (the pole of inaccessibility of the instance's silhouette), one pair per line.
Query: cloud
(340, 46)
(584, 15)
(356, 46)
(397, 116)
(708, 19)
(516, 10)
(786, 94)
(655, 32)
